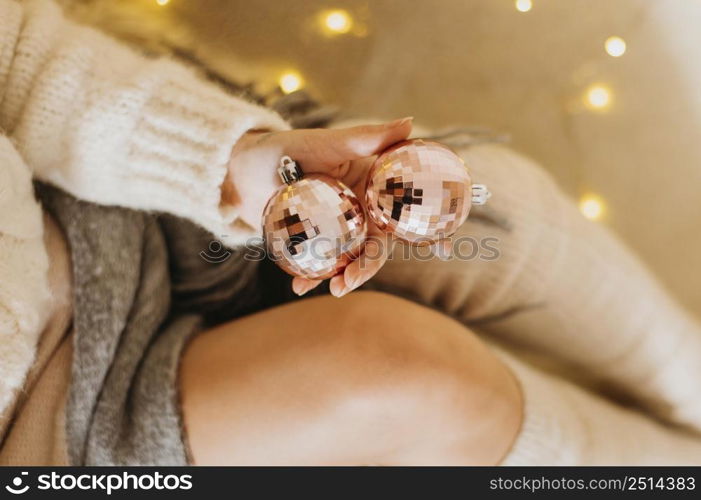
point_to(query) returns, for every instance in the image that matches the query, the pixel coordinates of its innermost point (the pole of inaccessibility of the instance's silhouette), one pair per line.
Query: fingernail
(334, 289)
(400, 122)
(301, 290)
(351, 280)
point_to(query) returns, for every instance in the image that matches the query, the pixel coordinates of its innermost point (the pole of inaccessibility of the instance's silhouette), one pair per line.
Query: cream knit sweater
(81, 111)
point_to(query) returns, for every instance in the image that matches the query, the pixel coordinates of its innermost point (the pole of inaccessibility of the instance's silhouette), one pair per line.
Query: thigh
(369, 378)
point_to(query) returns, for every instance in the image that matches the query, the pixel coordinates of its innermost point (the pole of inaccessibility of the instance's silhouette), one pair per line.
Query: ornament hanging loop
(480, 194)
(289, 170)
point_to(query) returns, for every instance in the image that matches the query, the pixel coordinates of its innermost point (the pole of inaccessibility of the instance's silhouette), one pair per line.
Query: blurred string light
(290, 81)
(592, 207)
(615, 46)
(162, 2)
(598, 97)
(523, 5)
(336, 22)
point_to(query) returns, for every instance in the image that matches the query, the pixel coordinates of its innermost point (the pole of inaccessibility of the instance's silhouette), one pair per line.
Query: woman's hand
(345, 154)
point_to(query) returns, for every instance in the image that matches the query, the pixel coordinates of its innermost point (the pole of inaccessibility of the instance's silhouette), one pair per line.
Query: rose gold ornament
(313, 225)
(421, 191)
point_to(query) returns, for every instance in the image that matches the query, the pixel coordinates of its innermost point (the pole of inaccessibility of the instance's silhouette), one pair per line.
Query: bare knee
(367, 378)
(431, 382)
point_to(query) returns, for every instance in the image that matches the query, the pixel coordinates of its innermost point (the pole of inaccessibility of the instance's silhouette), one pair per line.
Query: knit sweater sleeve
(566, 425)
(110, 126)
(25, 299)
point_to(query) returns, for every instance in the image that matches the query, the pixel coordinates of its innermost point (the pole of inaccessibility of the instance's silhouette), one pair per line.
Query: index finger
(318, 150)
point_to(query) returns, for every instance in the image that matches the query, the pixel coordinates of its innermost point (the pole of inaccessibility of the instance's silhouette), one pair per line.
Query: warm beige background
(482, 62)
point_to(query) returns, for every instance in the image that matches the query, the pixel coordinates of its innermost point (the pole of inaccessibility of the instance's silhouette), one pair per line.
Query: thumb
(323, 148)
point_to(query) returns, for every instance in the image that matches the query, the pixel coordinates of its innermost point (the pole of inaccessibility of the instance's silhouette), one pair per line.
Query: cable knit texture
(109, 126)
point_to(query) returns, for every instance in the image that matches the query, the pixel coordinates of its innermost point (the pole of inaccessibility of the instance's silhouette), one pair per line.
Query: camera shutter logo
(16, 487)
(216, 253)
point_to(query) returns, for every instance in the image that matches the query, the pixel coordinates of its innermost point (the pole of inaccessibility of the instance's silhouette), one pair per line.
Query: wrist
(229, 194)
(250, 177)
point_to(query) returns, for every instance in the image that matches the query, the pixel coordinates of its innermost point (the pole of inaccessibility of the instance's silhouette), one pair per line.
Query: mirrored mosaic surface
(419, 190)
(314, 227)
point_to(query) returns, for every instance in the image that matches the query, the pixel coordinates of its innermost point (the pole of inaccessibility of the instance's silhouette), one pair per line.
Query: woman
(100, 364)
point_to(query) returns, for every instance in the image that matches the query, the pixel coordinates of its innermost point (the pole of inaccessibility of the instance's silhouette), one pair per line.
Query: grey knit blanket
(141, 290)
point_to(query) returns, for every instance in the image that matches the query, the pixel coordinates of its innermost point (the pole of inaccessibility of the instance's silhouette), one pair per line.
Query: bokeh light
(523, 5)
(337, 21)
(592, 207)
(162, 2)
(598, 97)
(615, 46)
(290, 81)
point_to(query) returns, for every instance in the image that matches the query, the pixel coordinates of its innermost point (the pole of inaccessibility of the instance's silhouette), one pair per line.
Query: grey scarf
(141, 290)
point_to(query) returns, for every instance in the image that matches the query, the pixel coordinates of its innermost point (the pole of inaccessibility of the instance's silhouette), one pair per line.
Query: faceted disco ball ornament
(313, 225)
(421, 191)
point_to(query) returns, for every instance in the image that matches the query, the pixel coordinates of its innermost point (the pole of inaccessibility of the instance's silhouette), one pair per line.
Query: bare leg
(368, 379)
